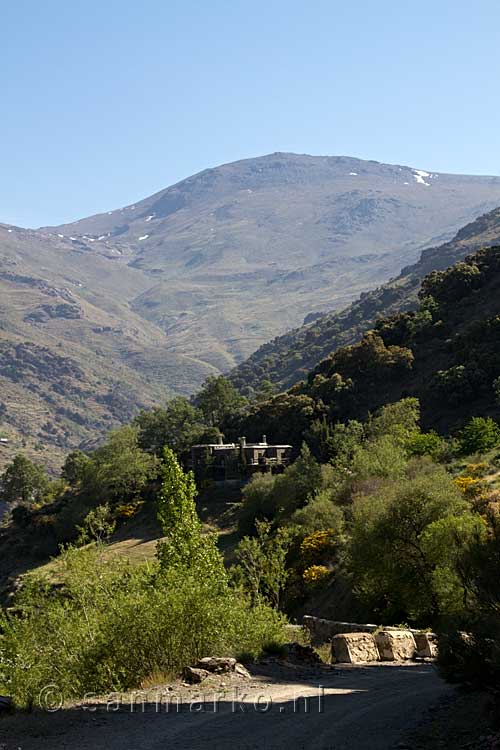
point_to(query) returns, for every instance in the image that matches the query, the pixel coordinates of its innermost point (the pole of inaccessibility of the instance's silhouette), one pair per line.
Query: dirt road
(363, 708)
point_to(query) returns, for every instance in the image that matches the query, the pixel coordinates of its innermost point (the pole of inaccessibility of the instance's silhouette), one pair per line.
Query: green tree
(383, 457)
(399, 420)
(219, 400)
(446, 543)
(262, 563)
(479, 435)
(75, 467)
(179, 426)
(23, 481)
(266, 391)
(185, 547)
(119, 470)
(319, 513)
(336, 443)
(391, 558)
(425, 444)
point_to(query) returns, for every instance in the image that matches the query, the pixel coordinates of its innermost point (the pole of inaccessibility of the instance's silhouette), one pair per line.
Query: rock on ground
(217, 664)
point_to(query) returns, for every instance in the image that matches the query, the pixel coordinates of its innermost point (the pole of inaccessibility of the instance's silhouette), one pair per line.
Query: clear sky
(104, 102)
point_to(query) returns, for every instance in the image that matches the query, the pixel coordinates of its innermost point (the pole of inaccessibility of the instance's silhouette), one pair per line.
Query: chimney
(243, 442)
(219, 440)
(264, 439)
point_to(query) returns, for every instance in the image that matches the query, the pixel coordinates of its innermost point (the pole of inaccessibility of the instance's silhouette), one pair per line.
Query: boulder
(242, 671)
(426, 644)
(217, 664)
(395, 645)
(194, 676)
(354, 648)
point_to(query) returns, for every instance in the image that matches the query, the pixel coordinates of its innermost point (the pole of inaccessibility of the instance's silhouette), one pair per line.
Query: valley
(123, 310)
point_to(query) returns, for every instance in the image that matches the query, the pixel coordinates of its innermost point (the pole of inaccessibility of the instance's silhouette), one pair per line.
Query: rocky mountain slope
(123, 309)
(75, 359)
(288, 358)
(237, 254)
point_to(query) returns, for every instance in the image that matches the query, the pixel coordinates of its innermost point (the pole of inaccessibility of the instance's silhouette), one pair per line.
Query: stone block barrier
(396, 645)
(427, 645)
(354, 648)
(322, 631)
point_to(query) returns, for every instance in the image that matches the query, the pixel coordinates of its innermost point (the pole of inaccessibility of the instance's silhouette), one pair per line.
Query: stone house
(225, 461)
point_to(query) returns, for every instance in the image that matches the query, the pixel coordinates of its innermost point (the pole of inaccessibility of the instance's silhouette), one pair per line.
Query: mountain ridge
(145, 302)
(288, 358)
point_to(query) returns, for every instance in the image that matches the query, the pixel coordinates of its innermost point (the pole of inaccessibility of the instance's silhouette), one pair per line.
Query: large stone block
(354, 648)
(322, 631)
(426, 644)
(395, 645)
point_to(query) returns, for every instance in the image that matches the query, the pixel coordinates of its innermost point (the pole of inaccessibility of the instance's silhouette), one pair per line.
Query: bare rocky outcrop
(396, 645)
(354, 648)
(242, 671)
(214, 665)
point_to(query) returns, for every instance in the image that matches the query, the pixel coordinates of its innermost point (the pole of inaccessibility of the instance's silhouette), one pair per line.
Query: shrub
(111, 626)
(318, 547)
(479, 435)
(319, 513)
(425, 444)
(315, 574)
(383, 457)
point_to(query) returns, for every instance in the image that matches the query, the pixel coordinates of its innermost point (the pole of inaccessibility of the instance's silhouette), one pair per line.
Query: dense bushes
(399, 568)
(111, 626)
(479, 435)
(107, 626)
(470, 644)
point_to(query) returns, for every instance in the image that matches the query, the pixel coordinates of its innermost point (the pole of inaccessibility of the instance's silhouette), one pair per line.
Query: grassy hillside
(289, 358)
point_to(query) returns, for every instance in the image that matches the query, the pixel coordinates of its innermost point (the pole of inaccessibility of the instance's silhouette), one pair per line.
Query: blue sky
(103, 103)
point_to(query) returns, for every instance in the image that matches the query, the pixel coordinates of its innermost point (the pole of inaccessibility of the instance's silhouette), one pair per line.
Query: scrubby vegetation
(108, 626)
(445, 354)
(385, 514)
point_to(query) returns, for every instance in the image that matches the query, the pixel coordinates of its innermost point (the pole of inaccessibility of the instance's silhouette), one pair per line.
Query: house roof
(229, 446)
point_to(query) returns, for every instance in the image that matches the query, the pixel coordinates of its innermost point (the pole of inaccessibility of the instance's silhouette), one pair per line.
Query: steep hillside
(446, 353)
(75, 359)
(238, 254)
(121, 310)
(287, 359)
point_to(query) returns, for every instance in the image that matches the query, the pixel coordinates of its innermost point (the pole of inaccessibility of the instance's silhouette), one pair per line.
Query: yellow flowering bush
(317, 548)
(476, 471)
(468, 485)
(315, 574)
(129, 510)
